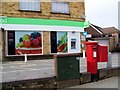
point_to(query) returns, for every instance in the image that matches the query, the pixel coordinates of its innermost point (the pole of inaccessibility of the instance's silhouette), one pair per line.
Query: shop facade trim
(12, 23)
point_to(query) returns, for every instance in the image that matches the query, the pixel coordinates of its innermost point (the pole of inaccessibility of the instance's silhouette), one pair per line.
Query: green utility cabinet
(67, 67)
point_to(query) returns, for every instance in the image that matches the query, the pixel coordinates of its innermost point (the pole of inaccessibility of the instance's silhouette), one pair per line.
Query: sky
(103, 13)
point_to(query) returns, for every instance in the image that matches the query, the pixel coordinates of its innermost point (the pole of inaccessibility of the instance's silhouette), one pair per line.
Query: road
(19, 70)
(106, 83)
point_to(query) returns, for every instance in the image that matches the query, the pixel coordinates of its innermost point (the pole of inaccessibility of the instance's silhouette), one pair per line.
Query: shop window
(24, 42)
(62, 42)
(60, 7)
(59, 42)
(29, 5)
(73, 43)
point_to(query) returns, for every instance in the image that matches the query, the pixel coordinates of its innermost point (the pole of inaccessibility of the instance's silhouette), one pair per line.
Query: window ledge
(60, 13)
(29, 11)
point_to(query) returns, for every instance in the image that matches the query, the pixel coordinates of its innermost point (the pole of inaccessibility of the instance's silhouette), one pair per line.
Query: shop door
(53, 36)
(11, 42)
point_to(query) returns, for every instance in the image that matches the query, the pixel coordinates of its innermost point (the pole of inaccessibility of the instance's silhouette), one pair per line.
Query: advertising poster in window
(28, 43)
(62, 42)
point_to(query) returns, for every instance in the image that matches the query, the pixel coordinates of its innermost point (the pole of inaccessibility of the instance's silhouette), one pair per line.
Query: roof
(110, 30)
(94, 30)
(98, 31)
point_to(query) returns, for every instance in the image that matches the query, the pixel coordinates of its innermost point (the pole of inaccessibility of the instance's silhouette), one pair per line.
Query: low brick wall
(85, 77)
(51, 82)
(36, 83)
(108, 72)
(34, 57)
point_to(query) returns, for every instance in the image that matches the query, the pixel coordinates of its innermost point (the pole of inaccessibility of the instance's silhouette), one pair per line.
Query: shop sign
(3, 19)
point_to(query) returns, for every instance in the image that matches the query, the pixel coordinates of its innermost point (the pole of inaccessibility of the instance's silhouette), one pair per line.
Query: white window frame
(29, 5)
(60, 7)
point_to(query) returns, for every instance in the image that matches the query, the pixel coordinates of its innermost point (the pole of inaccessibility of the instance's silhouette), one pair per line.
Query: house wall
(112, 44)
(116, 36)
(77, 10)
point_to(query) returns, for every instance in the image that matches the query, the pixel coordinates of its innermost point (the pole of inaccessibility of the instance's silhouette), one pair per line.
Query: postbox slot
(94, 54)
(95, 47)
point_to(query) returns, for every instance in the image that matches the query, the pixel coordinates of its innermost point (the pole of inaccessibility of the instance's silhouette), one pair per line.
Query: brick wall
(46, 42)
(76, 11)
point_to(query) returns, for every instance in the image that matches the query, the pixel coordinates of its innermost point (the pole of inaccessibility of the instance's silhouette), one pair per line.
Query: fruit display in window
(35, 42)
(30, 43)
(26, 37)
(27, 43)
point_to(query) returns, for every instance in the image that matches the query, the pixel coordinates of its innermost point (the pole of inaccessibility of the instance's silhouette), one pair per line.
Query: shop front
(34, 36)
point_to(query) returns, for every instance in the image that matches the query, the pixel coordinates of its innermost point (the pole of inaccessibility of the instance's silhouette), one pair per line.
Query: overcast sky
(103, 13)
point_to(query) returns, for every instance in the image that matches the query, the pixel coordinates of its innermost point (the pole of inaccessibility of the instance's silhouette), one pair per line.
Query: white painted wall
(103, 42)
(76, 36)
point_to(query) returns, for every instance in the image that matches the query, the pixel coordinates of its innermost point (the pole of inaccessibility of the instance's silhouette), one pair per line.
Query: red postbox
(91, 52)
(102, 53)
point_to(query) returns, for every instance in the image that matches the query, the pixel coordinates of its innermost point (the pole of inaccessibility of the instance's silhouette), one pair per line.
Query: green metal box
(67, 67)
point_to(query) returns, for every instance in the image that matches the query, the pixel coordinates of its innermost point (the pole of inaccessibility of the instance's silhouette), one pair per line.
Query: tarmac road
(19, 70)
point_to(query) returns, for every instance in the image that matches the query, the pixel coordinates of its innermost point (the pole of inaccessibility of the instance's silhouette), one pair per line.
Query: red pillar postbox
(91, 53)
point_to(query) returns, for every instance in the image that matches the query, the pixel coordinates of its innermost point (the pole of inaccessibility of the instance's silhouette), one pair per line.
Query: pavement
(33, 69)
(106, 83)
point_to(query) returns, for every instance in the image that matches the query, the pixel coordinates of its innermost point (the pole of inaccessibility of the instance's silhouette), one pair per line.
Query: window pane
(60, 7)
(28, 42)
(62, 42)
(22, 5)
(66, 6)
(37, 5)
(30, 5)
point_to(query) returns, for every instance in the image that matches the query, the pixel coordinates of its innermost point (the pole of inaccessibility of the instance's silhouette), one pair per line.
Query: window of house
(60, 7)
(30, 5)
